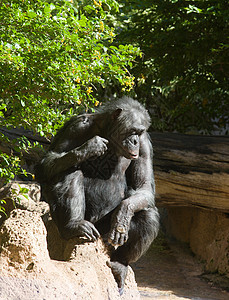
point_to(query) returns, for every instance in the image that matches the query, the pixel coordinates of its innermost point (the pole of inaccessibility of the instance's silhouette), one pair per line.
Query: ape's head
(129, 121)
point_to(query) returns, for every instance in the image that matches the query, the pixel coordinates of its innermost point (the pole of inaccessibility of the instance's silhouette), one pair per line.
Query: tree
(183, 75)
(53, 57)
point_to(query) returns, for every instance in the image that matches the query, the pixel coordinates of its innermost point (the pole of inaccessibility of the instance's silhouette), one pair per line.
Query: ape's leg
(67, 206)
(143, 230)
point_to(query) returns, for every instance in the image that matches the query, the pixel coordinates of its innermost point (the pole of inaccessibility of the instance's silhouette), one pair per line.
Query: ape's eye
(141, 131)
(137, 131)
(130, 133)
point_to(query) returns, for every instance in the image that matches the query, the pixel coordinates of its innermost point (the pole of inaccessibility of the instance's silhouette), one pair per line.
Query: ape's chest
(104, 184)
(103, 195)
(105, 166)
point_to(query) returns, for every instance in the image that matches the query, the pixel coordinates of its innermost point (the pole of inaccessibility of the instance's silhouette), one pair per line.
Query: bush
(54, 57)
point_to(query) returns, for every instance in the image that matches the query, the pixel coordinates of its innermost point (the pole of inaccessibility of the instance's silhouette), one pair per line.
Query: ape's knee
(147, 223)
(146, 230)
(153, 222)
(143, 230)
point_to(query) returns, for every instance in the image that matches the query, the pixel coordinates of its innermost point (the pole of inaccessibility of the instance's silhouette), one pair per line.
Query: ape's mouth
(133, 155)
(130, 154)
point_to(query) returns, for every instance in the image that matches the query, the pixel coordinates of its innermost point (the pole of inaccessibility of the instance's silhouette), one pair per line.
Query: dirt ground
(169, 271)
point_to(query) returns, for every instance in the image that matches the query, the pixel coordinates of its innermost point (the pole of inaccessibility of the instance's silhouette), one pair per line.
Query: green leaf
(31, 14)
(22, 103)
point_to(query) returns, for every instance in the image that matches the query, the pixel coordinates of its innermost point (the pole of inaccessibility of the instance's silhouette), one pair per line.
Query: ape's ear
(116, 113)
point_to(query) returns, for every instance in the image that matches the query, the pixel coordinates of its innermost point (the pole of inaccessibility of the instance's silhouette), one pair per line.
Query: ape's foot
(119, 272)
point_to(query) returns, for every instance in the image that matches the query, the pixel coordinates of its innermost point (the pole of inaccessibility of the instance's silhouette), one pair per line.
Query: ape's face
(130, 145)
(126, 136)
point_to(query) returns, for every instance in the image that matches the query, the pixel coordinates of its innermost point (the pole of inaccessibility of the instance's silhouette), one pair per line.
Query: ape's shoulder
(75, 132)
(79, 123)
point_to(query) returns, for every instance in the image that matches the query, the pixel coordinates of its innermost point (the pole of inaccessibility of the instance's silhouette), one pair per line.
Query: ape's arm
(55, 163)
(141, 196)
(142, 179)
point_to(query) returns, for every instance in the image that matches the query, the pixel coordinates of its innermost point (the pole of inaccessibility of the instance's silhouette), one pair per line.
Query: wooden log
(191, 170)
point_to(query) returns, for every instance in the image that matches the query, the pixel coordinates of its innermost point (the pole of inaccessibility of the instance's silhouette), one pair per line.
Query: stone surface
(207, 233)
(36, 264)
(169, 270)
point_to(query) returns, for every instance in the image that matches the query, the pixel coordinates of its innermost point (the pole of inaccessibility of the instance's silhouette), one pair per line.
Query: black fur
(98, 180)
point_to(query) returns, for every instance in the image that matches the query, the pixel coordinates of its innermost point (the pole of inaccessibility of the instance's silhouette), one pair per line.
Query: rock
(23, 241)
(37, 264)
(207, 233)
(24, 196)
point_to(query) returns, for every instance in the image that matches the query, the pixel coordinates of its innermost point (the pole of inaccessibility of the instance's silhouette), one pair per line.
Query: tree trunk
(191, 170)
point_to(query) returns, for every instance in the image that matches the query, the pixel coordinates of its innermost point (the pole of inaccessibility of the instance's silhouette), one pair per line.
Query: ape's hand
(96, 146)
(86, 229)
(120, 225)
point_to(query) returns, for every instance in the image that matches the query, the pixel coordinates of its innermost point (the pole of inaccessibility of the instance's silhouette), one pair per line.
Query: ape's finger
(96, 232)
(122, 239)
(116, 238)
(125, 238)
(94, 238)
(87, 236)
(112, 235)
(105, 140)
(88, 233)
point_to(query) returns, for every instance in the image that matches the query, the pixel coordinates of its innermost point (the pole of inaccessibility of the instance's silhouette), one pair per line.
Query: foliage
(58, 58)
(183, 76)
(2, 209)
(54, 57)
(15, 195)
(11, 159)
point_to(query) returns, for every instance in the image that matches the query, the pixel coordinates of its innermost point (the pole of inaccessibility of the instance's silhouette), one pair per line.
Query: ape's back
(74, 133)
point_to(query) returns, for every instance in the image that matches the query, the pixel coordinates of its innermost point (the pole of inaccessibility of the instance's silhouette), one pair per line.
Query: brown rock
(207, 233)
(37, 264)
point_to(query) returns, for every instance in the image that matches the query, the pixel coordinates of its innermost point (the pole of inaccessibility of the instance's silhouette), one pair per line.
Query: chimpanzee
(98, 180)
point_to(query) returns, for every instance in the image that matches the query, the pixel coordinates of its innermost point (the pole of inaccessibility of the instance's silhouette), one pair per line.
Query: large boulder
(37, 264)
